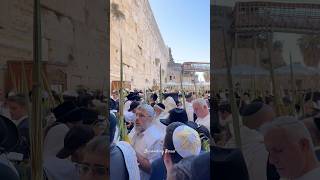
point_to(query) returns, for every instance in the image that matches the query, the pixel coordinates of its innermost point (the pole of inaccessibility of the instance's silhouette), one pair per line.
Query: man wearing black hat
(158, 170)
(153, 99)
(75, 141)
(19, 115)
(176, 115)
(132, 96)
(67, 115)
(62, 166)
(129, 116)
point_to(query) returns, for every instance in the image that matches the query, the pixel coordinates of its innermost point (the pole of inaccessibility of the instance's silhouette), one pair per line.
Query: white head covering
(169, 103)
(129, 116)
(127, 106)
(186, 141)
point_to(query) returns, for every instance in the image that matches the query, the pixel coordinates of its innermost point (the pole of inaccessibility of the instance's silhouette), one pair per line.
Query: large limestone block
(82, 37)
(60, 52)
(55, 5)
(76, 9)
(59, 28)
(95, 14)
(4, 13)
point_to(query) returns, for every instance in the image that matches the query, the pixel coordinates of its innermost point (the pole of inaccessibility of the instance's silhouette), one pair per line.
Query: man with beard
(146, 139)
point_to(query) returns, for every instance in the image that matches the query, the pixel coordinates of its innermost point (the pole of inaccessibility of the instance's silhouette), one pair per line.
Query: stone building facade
(74, 39)
(143, 48)
(249, 47)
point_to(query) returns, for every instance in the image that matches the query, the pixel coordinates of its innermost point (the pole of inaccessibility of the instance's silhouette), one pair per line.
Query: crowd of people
(274, 145)
(168, 136)
(167, 139)
(75, 137)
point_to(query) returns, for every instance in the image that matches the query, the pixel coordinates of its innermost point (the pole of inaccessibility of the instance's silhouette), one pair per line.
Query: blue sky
(185, 27)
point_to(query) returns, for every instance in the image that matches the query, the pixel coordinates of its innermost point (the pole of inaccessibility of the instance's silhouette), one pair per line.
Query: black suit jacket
(7, 173)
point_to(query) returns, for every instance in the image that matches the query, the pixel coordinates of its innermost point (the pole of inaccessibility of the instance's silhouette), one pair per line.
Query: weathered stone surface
(73, 35)
(142, 44)
(59, 28)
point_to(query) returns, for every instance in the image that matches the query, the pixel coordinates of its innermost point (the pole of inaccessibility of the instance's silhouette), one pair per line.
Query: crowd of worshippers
(75, 137)
(167, 140)
(273, 147)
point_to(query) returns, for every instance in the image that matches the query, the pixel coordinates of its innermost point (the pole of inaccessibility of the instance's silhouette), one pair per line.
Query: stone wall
(74, 38)
(142, 45)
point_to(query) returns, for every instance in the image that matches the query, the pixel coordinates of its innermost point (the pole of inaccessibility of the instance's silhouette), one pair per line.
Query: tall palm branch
(119, 16)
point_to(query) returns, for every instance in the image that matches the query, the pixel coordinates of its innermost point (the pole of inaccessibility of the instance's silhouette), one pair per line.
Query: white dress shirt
(149, 144)
(204, 121)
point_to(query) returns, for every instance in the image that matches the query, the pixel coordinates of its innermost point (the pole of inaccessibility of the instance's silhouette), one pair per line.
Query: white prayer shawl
(116, 137)
(204, 121)
(126, 106)
(149, 144)
(254, 152)
(130, 159)
(54, 141)
(190, 111)
(159, 125)
(169, 104)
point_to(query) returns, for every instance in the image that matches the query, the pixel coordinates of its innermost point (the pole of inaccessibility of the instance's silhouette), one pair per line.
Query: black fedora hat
(76, 137)
(132, 96)
(65, 110)
(89, 116)
(9, 136)
(133, 105)
(154, 96)
(175, 115)
(189, 95)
